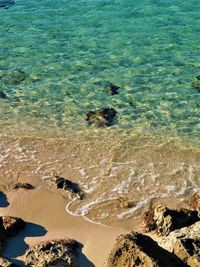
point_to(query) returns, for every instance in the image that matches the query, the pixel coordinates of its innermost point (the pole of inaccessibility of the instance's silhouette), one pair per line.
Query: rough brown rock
(53, 253)
(126, 203)
(23, 185)
(6, 263)
(165, 220)
(62, 183)
(185, 243)
(195, 202)
(135, 249)
(12, 225)
(188, 250)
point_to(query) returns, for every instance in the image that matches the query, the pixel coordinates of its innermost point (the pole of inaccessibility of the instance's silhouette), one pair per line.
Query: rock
(195, 202)
(13, 225)
(6, 3)
(62, 183)
(6, 263)
(135, 249)
(196, 84)
(2, 234)
(101, 117)
(126, 203)
(184, 243)
(53, 253)
(2, 94)
(198, 77)
(113, 89)
(164, 220)
(188, 250)
(23, 185)
(14, 77)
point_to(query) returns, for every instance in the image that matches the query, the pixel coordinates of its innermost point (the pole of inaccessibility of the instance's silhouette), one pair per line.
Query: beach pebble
(101, 117)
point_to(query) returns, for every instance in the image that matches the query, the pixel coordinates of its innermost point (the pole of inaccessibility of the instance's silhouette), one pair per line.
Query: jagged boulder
(12, 225)
(23, 186)
(53, 253)
(136, 249)
(101, 117)
(164, 220)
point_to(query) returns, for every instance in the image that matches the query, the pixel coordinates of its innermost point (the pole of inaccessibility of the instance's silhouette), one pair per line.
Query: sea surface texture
(61, 59)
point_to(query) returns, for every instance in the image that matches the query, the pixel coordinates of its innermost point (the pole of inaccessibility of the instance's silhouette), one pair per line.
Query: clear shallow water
(68, 49)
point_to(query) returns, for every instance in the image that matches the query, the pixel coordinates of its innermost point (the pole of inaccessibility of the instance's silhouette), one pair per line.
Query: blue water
(67, 50)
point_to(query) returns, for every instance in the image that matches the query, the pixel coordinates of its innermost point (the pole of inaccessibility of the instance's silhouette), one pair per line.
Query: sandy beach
(47, 219)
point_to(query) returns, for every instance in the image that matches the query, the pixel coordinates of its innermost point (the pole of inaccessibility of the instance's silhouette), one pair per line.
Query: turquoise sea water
(66, 50)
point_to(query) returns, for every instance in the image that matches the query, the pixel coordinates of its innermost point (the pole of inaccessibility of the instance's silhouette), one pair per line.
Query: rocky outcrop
(23, 186)
(6, 263)
(65, 184)
(164, 220)
(136, 249)
(53, 253)
(101, 117)
(12, 225)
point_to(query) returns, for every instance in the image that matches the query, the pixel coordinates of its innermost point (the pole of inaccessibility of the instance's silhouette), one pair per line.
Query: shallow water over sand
(109, 169)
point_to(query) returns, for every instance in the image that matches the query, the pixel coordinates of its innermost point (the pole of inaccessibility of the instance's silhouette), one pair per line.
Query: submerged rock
(135, 249)
(6, 263)
(101, 117)
(12, 225)
(62, 183)
(2, 94)
(23, 185)
(53, 253)
(6, 3)
(14, 77)
(164, 220)
(113, 89)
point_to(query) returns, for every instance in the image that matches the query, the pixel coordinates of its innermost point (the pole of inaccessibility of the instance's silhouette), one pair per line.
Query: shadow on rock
(82, 260)
(16, 246)
(3, 200)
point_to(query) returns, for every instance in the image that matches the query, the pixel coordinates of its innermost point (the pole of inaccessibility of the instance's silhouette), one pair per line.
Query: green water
(67, 50)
